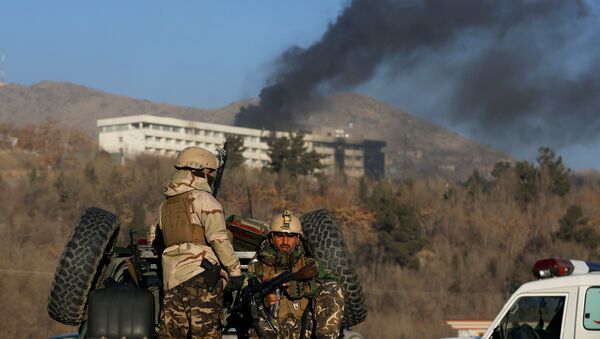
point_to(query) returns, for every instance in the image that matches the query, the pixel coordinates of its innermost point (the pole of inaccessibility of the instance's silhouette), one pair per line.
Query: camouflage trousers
(191, 311)
(324, 320)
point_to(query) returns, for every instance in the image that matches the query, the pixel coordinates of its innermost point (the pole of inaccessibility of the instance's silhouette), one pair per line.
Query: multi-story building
(133, 135)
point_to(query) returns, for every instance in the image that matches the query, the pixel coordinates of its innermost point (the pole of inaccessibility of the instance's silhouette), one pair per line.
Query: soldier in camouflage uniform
(197, 246)
(301, 309)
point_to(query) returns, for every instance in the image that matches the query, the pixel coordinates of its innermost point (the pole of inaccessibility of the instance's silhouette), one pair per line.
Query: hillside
(415, 147)
(472, 246)
(77, 106)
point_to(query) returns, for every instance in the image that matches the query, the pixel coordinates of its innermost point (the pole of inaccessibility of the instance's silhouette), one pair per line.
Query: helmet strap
(203, 174)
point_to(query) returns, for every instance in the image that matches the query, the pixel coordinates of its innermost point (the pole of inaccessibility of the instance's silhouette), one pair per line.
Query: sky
(515, 75)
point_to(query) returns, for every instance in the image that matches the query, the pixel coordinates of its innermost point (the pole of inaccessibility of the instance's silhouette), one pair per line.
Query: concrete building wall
(134, 135)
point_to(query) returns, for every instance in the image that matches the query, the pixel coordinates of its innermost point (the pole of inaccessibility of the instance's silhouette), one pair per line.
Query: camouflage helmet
(286, 223)
(196, 158)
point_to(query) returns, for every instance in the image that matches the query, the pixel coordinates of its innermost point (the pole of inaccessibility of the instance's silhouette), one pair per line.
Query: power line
(25, 272)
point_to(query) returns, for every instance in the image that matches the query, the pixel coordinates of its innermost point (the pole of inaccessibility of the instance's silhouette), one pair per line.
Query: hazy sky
(514, 74)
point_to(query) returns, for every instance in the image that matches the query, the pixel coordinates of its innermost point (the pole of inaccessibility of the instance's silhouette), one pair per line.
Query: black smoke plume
(527, 71)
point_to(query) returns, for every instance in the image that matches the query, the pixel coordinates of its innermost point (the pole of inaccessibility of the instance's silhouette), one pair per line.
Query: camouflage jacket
(268, 263)
(182, 261)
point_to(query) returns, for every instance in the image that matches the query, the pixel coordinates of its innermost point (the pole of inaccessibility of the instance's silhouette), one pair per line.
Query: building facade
(130, 136)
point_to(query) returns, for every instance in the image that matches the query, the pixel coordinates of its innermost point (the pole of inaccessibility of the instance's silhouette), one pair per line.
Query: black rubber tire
(79, 266)
(326, 243)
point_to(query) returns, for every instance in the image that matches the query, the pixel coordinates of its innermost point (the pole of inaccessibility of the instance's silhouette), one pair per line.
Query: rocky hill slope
(78, 106)
(415, 147)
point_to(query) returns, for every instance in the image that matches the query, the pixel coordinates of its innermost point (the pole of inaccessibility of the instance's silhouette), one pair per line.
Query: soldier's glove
(235, 283)
(295, 290)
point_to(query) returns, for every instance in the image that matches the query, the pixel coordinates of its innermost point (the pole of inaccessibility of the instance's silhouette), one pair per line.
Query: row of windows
(177, 141)
(347, 147)
(175, 129)
(161, 150)
(181, 142)
(354, 170)
(115, 128)
(187, 130)
(194, 131)
(350, 159)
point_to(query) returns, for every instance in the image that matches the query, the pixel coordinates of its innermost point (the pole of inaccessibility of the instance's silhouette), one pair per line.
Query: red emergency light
(555, 267)
(552, 268)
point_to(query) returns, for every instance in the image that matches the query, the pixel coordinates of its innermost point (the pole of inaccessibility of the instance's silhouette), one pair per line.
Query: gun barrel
(219, 175)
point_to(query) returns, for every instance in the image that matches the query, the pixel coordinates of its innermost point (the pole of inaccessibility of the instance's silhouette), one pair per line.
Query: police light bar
(555, 267)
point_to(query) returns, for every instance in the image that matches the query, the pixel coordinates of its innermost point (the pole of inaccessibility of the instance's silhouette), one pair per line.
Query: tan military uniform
(193, 228)
(320, 312)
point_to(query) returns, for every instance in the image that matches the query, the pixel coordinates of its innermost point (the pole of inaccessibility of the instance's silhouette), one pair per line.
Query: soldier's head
(202, 163)
(285, 232)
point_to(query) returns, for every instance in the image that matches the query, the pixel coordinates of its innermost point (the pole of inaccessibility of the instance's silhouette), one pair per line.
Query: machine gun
(249, 306)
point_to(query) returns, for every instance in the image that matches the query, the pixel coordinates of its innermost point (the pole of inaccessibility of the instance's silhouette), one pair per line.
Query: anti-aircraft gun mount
(111, 291)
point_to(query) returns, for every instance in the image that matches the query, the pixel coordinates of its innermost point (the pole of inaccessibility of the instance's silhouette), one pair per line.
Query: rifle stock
(309, 271)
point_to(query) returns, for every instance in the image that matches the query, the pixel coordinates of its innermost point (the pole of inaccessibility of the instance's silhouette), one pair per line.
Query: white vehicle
(563, 304)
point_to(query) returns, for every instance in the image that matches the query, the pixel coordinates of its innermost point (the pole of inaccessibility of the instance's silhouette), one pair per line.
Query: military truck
(114, 291)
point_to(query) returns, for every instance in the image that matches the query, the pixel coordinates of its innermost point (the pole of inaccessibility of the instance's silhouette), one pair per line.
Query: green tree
(528, 177)
(500, 169)
(138, 219)
(363, 190)
(399, 228)
(574, 228)
(90, 174)
(290, 154)
(235, 148)
(549, 177)
(554, 176)
(407, 238)
(382, 202)
(476, 184)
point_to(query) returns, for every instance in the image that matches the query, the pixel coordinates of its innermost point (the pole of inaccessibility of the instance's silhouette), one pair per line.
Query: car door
(532, 316)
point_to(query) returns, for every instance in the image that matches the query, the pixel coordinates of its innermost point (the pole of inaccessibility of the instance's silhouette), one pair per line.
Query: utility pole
(406, 145)
(2, 71)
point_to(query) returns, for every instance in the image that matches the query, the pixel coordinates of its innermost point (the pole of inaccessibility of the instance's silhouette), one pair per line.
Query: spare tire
(326, 243)
(79, 266)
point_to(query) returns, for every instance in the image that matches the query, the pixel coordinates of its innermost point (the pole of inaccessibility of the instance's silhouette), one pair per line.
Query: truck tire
(326, 243)
(80, 265)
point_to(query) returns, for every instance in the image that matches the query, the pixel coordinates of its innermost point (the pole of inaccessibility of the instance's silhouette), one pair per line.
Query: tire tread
(327, 244)
(77, 269)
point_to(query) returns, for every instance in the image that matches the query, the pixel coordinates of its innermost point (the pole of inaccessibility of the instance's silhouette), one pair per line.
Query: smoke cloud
(511, 72)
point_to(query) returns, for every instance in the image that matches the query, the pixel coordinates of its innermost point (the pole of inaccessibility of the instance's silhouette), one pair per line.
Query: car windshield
(532, 317)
